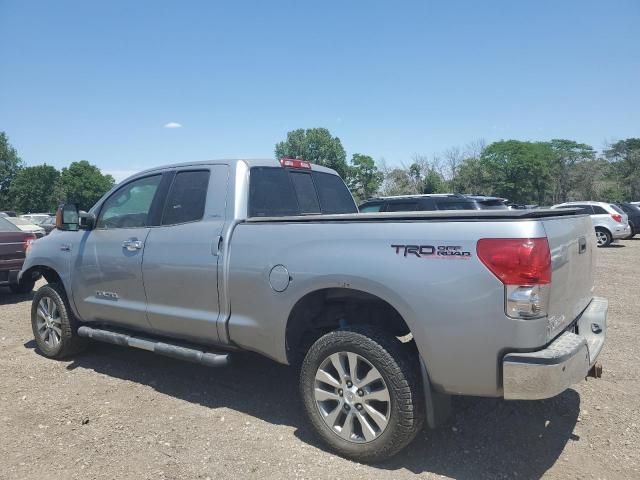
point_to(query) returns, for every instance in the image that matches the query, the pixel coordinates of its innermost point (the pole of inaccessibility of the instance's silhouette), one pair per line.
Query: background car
(430, 202)
(14, 244)
(36, 218)
(633, 212)
(609, 221)
(48, 224)
(26, 226)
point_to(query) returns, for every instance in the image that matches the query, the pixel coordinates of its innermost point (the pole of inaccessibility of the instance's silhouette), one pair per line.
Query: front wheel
(603, 237)
(362, 392)
(53, 324)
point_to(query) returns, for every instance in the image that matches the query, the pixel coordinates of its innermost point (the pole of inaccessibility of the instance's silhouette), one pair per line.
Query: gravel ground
(119, 413)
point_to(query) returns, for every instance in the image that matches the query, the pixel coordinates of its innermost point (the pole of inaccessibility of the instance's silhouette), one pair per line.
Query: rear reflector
(517, 261)
(617, 217)
(295, 163)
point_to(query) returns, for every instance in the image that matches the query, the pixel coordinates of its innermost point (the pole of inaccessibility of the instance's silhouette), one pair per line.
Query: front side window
(129, 206)
(187, 197)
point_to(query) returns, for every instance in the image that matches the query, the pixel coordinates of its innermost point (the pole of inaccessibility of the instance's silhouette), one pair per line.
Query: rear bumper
(566, 361)
(621, 232)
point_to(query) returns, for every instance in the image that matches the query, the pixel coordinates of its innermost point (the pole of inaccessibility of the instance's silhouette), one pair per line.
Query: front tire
(53, 324)
(362, 392)
(603, 237)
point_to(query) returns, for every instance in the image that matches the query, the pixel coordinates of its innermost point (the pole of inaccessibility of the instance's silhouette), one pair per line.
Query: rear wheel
(603, 237)
(53, 324)
(362, 392)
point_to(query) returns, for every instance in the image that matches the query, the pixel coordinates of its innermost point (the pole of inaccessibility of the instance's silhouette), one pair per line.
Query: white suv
(609, 221)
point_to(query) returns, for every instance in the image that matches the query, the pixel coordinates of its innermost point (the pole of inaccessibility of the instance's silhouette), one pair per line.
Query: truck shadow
(485, 438)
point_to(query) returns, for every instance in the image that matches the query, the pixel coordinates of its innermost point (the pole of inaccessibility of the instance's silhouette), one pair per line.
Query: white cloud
(173, 125)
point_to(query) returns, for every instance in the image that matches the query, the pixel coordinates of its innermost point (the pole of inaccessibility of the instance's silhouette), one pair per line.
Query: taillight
(26, 243)
(617, 217)
(295, 163)
(517, 261)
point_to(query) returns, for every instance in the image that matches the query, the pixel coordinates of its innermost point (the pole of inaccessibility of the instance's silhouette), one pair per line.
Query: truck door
(107, 266)
(180, 266)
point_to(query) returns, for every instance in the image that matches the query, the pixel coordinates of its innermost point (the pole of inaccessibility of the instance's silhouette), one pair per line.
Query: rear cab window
(187, 197)
(278, 192)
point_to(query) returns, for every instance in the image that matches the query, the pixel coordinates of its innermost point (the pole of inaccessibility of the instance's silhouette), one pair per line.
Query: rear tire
(363, 419)
(603, 236)
(53, 324)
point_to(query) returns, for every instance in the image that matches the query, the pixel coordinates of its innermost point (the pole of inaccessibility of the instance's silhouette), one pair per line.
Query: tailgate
(572, 243)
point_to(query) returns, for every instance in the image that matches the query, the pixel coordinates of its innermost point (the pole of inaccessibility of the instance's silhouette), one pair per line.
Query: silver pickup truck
(385, 314)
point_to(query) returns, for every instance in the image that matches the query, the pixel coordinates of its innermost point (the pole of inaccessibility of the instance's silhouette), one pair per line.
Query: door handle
(132, 245)
(216, 246)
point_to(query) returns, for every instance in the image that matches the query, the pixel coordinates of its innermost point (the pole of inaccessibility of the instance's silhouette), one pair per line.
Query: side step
(161, 348)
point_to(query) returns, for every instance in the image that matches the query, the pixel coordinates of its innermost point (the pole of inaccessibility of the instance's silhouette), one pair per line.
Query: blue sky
(99, 80)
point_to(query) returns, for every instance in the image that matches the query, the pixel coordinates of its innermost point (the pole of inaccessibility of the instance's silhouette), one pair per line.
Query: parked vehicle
(430, 202)
(199, 259)
(48, 225)
(7, 213)
(14, 244)
(36, 218)
(609, 222)
(633, 213)
(26, 226)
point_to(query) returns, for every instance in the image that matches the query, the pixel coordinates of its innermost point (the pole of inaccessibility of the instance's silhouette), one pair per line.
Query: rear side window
(598, 210)
(333, 194)
(186, 198)
(455, 204)
(492, 205)
(402, 206)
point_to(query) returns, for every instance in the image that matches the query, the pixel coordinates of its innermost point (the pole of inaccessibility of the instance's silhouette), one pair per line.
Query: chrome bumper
(546, 373)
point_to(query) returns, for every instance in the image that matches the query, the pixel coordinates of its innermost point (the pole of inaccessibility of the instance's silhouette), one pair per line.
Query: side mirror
(67, 217)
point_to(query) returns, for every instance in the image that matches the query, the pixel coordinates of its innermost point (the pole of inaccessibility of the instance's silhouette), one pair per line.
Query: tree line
(42, 188)
(524, 172)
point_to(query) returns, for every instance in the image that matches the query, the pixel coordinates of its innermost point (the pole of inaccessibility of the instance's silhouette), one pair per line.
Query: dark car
(14, 244)
(633, 212)
(49, 224)
(406, 203)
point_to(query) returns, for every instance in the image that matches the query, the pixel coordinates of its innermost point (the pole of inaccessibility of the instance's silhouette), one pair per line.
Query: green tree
(625, 165)
(315, 145)
(35, 189)
(84, 184)
(363, 177)
(567, 154)
(10, 165)
(519, 171)
(471, 178)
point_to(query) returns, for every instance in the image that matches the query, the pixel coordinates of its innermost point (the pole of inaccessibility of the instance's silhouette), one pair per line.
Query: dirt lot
(118, 413)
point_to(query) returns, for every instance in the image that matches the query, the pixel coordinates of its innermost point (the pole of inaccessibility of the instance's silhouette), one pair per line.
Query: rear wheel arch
(323, 310)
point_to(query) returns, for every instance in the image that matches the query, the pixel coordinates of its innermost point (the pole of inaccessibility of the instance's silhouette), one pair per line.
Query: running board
(161, 348)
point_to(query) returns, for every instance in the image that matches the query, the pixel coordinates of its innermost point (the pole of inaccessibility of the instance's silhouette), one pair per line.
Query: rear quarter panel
(454, 307)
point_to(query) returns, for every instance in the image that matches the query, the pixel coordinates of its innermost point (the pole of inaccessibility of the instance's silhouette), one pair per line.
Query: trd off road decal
(444, 252)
